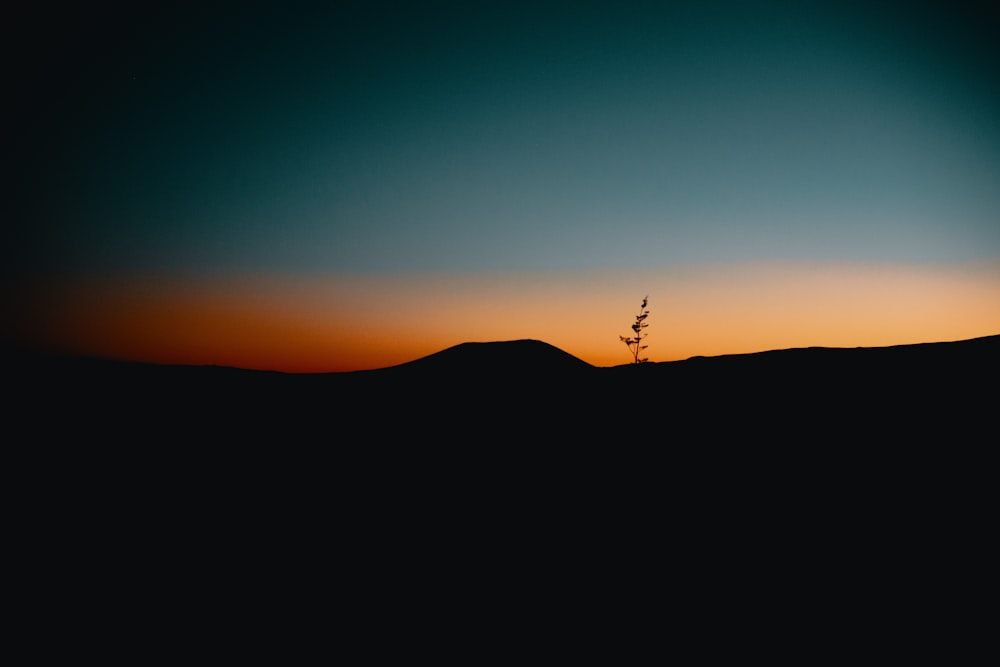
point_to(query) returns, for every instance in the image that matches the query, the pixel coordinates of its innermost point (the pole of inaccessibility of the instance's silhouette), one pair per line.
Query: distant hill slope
(504, 357)
(954, 349)
(943, 356)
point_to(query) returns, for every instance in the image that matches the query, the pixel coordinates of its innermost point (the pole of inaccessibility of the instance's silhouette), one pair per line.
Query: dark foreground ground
(523, 414)
(819, 491)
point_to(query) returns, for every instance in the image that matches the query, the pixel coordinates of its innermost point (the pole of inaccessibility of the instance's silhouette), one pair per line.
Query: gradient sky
(273, 185)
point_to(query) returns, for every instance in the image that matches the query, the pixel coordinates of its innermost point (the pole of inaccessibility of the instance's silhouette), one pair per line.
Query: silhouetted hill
(530, 390)
(862, 369)
(496, 358)
(854, 394)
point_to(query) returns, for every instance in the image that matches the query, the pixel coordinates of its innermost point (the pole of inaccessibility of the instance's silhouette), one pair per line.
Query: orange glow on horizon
(334, 323)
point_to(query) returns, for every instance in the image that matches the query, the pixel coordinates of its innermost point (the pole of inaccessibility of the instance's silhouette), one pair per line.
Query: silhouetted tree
(634, 344)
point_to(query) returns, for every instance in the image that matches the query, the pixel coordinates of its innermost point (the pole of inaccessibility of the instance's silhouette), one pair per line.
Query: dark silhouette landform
(509, 459)
(711, 456)
(531, 390)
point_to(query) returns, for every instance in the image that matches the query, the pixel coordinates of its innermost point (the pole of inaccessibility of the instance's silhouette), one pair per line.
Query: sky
(339, 186)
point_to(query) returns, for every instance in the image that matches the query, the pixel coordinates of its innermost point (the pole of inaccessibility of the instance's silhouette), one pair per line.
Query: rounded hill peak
(514, 356)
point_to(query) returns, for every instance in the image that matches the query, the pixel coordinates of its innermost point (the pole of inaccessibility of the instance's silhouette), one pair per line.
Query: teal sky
(378, 137)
